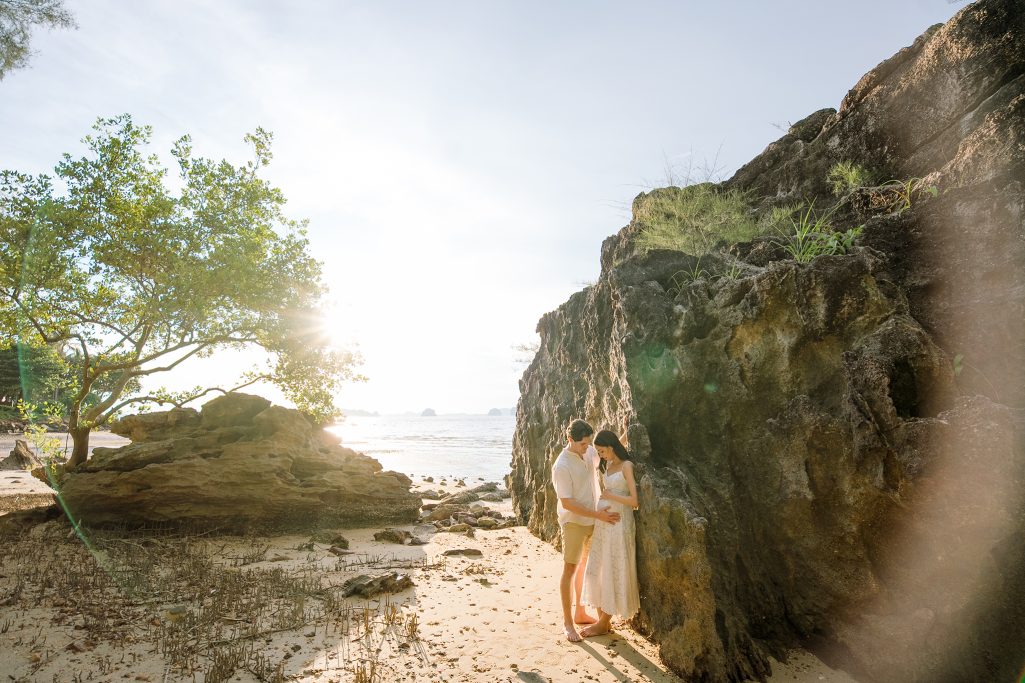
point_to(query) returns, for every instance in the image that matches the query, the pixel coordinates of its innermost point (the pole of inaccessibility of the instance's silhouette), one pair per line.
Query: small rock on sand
(389, 535)
(368, 586)
(466, 552)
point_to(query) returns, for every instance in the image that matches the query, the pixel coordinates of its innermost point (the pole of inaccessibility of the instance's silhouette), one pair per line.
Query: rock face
(817, 463)
(238, 463)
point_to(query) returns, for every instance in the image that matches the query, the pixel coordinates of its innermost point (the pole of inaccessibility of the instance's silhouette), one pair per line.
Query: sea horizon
(446, 445)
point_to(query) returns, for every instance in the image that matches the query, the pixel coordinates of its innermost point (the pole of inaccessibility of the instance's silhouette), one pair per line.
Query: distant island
(358, 412)
(495, 411)
(428, 412)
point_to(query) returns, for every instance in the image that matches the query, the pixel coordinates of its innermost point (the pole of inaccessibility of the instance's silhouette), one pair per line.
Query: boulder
(446, 510)
(21, 458)
(155, 426)
(828, 453)
(239, 463)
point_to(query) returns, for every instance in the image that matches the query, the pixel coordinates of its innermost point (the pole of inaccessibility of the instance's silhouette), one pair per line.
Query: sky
(459, 163)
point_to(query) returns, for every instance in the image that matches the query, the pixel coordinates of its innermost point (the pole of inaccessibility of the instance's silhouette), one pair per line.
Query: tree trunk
(80, 450)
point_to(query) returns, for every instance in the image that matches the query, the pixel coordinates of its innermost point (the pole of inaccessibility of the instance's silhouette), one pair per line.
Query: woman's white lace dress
(610, 580)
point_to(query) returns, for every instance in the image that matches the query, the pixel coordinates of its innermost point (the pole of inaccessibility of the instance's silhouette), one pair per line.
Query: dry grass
(206, 607)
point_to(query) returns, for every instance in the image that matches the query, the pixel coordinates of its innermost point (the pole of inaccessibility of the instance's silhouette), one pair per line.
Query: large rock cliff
(831, 453)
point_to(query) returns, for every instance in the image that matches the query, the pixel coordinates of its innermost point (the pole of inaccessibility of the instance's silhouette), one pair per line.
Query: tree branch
(47, 339)
(115, 391)
(178, 404)
(165, 368)
(125, 336)
(126, 365)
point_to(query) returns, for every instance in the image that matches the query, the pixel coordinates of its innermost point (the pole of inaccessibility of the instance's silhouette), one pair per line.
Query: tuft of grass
(846, 176)
(904, 193)
(681, 278)
(812, 235)
(779, 218)
(694, 219)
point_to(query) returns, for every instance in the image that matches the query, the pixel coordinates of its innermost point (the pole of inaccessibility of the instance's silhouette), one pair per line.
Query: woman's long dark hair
(608, 438)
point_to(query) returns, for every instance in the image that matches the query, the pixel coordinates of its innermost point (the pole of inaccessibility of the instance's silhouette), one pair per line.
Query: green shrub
(693, 219)
(845, 176)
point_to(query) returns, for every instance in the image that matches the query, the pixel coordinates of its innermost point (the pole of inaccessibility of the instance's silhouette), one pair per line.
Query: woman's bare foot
(572, 635)
(599, 628)
(583, 617)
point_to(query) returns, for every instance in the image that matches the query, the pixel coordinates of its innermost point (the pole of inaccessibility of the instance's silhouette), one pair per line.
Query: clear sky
(460, 162)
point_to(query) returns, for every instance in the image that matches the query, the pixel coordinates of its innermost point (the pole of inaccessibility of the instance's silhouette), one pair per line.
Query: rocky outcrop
(818, 464)
(949, 109)
(237, 463)
(20, 458)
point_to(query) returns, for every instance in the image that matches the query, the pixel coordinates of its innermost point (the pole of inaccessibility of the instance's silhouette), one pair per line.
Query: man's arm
(576, 508)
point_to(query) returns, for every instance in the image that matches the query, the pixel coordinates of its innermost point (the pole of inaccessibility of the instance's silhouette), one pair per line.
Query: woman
(610, 581)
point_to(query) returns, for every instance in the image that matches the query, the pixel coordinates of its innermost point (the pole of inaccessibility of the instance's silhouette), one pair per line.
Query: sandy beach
(154, 607)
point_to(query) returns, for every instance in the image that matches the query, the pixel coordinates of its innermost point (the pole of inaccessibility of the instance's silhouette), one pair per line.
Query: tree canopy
(138, 278)
(17, 19)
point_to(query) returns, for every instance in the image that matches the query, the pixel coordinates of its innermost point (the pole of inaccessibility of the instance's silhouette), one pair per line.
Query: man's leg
(581, 616)
(565, 586)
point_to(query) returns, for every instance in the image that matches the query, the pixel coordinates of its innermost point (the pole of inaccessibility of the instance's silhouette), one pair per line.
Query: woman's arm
(631, 485)
(601, 515)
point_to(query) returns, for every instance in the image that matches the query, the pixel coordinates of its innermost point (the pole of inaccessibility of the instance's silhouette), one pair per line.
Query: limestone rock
(154, 426)
(21, 458)
(816, 461)
(239, 463)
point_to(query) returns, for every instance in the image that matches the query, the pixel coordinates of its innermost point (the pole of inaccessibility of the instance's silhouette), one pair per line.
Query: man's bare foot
(584, 618)
(596, 629)
(572, 635)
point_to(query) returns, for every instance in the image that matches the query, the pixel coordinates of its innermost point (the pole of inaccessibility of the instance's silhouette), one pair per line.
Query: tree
(32, 373)
(17, 18)
(139, 279)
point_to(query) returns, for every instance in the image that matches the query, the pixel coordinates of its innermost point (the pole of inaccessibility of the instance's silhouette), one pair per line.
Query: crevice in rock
(904, 390)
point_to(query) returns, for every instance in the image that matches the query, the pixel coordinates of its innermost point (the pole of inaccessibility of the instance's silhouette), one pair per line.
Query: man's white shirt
(575, 477)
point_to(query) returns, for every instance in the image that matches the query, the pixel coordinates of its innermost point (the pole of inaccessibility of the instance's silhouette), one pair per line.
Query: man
(573, 475)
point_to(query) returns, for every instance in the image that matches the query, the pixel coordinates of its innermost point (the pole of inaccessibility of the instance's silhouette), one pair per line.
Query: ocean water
(461, 446)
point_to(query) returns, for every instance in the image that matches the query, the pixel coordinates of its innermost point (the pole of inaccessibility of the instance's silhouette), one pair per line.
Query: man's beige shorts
(574, 538)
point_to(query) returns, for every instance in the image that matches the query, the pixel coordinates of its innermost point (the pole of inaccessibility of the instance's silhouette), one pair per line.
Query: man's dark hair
(579, 430)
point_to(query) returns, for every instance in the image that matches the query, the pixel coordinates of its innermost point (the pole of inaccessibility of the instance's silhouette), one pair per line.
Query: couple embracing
(597, 529)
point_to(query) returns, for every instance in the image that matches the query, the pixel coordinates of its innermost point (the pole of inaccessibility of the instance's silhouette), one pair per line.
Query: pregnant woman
(610, 582)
